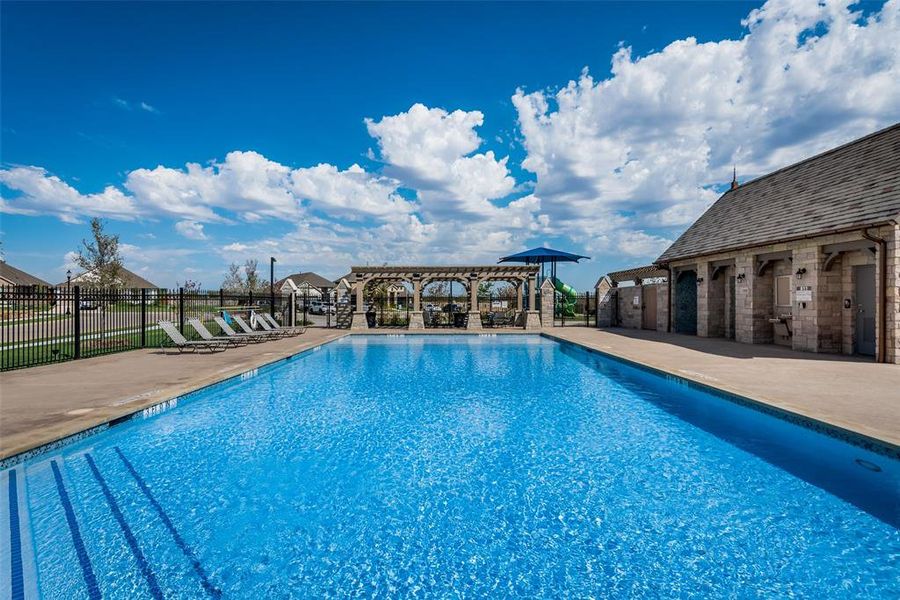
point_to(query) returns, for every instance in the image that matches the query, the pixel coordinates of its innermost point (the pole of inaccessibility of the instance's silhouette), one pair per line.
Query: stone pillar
(548, 301)
(805, 312)
(520, 300)
(662, 307)
(416, 318)
(743, 298)
(710, 302)
(606, 299)
(474, 320)
(532, 318)
(359, 315)
(892, 337)
(704, 279)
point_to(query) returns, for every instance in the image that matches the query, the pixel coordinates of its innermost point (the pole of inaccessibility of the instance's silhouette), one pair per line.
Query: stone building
(638, 304)
(806, 257)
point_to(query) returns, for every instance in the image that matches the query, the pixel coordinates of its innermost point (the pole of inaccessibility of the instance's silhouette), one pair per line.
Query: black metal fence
(578, 309)
(41, 325)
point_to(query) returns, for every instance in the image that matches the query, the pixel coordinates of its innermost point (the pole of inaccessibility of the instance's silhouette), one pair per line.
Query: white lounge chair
(204, 333)
(182, 343)
(255, 337)
(247, 329)
(277, 327)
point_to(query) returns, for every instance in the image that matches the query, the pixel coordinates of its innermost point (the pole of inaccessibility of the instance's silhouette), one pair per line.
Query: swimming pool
(452, 465)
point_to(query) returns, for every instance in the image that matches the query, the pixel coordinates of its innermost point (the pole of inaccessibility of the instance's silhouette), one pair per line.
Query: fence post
(143, 317)
(181, 310)
(293, 309)
(77, 321)
(221, 298)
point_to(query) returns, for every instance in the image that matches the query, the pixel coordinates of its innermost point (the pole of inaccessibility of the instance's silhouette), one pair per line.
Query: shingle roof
(646, 272)
(18, 277)
(313, 279)
(128, 279)
(848, 187)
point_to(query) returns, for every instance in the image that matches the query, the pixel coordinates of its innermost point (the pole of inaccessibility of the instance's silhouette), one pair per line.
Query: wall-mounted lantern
(741, 277)
(800, 272)
(699, 280)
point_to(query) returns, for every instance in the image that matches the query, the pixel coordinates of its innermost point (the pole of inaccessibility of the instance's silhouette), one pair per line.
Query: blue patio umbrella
(542, 256)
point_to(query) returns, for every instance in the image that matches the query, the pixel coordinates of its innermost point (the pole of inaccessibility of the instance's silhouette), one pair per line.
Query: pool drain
(868, 465)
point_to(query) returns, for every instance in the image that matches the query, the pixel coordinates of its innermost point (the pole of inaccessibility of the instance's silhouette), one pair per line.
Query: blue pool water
(453, 466)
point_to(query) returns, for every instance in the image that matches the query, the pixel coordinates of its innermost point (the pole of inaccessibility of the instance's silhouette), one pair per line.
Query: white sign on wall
(636, 301)
(803, 295)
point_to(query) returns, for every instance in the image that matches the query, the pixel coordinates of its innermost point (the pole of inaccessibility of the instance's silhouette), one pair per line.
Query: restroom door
(648, 318)
(865, 309)
(686, 303)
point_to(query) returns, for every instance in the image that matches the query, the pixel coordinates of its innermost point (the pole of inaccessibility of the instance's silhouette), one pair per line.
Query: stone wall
(820, 324)
(630, 300)
(606, 302)
(662, 306)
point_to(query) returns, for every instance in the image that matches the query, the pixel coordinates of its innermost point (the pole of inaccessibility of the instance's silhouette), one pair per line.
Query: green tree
(251, 275)
(100, 257)
(234, 281)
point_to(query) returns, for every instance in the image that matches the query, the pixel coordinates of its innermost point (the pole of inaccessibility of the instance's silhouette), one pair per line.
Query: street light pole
(68, 291)
(272, 286)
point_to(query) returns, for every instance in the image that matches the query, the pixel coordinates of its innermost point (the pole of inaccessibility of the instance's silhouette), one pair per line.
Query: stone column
(548, 300)
(474, 321)
(606, 296)
(532, 318)
(520, 300)
(416, 319)
(359, 315)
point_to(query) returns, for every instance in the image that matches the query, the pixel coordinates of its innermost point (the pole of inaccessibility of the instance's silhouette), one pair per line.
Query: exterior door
(865, 309)
(686, 303)
(648, 318)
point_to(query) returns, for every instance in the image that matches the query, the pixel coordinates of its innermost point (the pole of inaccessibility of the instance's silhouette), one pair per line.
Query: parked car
(430, 307)
(89, 305)
(452, 308)
(317, 307)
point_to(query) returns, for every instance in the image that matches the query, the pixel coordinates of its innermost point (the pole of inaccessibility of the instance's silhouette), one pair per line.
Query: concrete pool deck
(44, 404)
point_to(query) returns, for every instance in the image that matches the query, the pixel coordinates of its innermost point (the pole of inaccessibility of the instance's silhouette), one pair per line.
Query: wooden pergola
(470, 276)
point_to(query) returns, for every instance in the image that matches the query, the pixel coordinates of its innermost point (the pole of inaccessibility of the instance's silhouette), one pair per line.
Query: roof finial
(734, 183)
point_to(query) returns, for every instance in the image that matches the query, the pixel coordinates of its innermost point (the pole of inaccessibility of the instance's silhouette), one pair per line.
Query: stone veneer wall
(823, 324)
(892, 347)
(662, 306)
(606, 302)
(629, 314)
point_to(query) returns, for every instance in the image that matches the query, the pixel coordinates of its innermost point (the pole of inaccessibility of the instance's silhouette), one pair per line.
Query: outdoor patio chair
(247, 329)
(182, 343)
(265, 325)
(204, 333)
(255, 337)
(275, 325)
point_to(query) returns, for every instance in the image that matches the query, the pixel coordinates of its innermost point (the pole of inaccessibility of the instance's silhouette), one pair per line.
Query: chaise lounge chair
(182, 343)
(204, 333)
(255, 337)
(247, 329)
(267, 318)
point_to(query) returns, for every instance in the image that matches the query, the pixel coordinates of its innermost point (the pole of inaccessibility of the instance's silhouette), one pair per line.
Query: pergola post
(416, 319)
(520, 297)
(474, 321)
(359, 315)
(532, 317)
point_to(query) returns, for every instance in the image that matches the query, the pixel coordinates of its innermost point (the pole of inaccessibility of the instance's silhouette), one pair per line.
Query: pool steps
(77, 496)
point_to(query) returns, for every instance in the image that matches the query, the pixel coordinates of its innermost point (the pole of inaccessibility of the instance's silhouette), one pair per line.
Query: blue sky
(337, 134)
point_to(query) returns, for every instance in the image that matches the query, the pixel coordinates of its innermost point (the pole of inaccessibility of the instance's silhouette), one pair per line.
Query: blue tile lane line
(188, 552)
(129, 536)
(86, 570)
(16, 576)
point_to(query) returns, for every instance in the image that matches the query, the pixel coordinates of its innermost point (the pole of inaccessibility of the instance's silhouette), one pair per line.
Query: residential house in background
(308, 284)
(11, 277)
